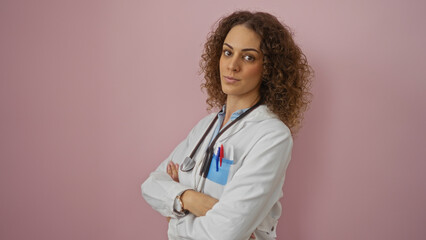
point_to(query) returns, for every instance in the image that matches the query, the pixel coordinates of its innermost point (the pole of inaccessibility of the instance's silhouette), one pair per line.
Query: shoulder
(205, 121)
(265, 121)
(202, 125)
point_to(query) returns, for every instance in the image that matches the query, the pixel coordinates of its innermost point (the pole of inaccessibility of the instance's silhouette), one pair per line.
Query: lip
(230, 79)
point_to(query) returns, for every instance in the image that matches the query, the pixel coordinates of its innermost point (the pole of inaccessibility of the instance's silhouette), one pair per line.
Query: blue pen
(217, 159)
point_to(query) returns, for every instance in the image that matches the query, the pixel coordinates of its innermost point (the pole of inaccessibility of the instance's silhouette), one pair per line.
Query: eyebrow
(243, 50)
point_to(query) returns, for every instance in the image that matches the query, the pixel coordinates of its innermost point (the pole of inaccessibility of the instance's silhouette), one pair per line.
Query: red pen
(221, 154)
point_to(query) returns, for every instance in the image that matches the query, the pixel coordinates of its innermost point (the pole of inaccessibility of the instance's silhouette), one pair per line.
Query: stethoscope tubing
(189, 162)
(209, 151)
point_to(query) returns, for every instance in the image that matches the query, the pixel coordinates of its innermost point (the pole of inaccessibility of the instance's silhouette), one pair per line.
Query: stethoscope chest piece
(187, 165)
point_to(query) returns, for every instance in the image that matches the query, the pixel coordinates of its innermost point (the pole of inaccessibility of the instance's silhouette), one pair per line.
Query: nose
(234, 64)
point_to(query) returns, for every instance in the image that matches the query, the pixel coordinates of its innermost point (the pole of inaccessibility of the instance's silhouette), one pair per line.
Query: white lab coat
(258, 150)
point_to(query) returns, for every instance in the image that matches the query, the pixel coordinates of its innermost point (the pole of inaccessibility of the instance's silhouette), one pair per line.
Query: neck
(235, 103)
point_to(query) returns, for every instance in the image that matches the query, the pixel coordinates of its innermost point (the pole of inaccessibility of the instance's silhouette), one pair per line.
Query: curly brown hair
(286, 76)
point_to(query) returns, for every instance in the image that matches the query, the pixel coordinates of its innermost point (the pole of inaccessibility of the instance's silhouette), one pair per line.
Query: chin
(228, 90)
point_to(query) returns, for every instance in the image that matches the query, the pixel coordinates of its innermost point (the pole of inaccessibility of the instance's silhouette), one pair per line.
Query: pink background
(94, 94)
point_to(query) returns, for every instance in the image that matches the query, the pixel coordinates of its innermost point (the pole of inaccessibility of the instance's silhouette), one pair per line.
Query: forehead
(240, 37)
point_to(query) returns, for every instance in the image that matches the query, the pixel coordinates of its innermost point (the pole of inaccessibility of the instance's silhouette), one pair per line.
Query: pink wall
(94, 94)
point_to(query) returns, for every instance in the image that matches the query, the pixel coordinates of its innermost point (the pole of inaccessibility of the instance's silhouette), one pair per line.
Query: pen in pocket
(217, 159)
(221, 154)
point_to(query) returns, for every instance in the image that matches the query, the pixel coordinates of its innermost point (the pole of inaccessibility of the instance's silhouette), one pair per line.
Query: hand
(197, 203)
(173, 171)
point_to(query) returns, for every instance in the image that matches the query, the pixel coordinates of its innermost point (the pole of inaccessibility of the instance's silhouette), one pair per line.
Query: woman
(224, 181)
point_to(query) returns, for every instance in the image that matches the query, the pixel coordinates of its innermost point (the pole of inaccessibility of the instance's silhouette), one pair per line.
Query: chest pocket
(219, 173)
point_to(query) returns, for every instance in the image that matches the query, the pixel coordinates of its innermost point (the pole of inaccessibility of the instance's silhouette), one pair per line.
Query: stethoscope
(189, 162)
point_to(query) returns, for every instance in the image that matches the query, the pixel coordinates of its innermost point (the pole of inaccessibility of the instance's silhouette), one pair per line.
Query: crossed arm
(195, 202)
(263, 170)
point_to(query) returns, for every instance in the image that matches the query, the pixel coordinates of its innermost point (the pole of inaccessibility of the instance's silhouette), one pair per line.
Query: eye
(249, 58)
(227, 53)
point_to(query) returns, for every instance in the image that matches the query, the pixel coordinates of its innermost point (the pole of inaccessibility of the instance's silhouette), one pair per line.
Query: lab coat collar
(259, 114)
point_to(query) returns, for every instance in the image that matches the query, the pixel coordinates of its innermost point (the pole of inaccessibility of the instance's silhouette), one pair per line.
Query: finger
(171, 169)
(168, 169)
(177, 170)
(174, 171)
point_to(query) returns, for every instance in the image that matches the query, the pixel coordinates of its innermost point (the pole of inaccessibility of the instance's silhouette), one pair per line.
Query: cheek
(255, 71)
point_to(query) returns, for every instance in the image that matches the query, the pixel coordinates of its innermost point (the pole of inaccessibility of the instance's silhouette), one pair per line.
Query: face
(241, 63)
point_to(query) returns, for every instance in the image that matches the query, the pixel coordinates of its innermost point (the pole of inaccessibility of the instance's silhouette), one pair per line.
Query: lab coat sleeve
(159, 190)
(247, 199)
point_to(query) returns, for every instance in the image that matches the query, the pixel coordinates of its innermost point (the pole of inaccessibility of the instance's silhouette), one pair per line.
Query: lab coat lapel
(232, 130)
(257, 115)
